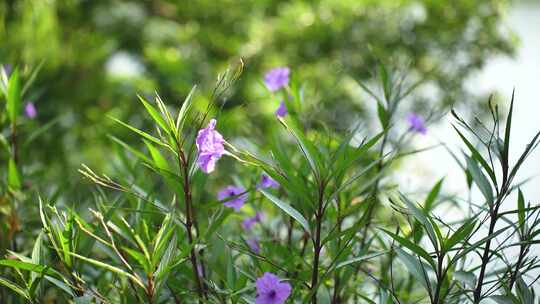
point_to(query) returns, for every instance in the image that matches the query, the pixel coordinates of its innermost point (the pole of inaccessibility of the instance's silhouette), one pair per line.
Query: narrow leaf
(411, 246)
(13, 104)
(480, 180)
(288, 209)
(14, 179)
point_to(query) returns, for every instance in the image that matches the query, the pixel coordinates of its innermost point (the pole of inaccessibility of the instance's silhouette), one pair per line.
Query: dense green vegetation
(330, 45)
(151, 152)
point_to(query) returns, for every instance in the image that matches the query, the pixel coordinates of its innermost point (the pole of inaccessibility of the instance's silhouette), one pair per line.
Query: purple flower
(282, 109)
(270, 290)
(30, 110)
(248, 223)
(231, 196)
(254, 245)
(200, 271)
(416, 123)
(277, 78)
(210, 145)
(267, 182)
(7, 68)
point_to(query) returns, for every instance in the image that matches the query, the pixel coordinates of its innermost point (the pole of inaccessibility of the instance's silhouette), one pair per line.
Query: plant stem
(522, 253)
(289, 232)
(317, 251)
(440, 276)
(14, 156)
(184, 166)
(317, 246)
(335, 298)
(485, 260)
(494, 214)
(150, 289)
(371, 208)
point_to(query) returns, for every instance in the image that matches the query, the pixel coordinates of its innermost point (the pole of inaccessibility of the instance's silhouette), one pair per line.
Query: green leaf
(13, 104)
(415, 268)
(37, 252)
(184, 110)
(43, 129)
(30, 79)
(368, 300)
(480, 180)
(14, 179)
(412, 247)
(525, 294)
(467, 278)
(306, 147)
(216, 221)
(502, 299)
(140, 258)
(159, 161)
(344, 159)
(461, 234)
(154, 114)
(348, 233)
(288, 209)
(166, 259)
(506, 151)
(230, 270)
(163, 234)
(142, 134)
(30, 267)
(477, 244)
(530, 147)
(477, 156)
(83, 300)
(521, 211)
(359, 259)
(135, 152)
(134, 236)
(109, 268)
(383, 115)
(63, 286)
(65, 237)
(432, 196)
(370, 92)
(385, 80)
(422, 219)
(16, 288)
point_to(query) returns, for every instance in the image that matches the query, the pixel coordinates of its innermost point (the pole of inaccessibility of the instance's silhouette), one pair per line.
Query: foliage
(329, 44)
(303, 203)
(157, 234)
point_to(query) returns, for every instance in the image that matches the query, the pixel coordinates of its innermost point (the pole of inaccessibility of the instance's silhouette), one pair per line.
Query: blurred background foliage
(97, 55)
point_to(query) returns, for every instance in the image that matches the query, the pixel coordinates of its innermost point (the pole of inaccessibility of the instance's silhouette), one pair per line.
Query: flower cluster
(248, 223)
(277, 78)
(270, 290)
(416, 123)
(274, 80)
(233, 197)
(210, 145)
(30, 110)
(281, 110)
(267, 182)
(253, 244)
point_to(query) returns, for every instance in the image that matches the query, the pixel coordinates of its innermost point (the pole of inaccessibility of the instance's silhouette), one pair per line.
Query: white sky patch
(123, 64)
